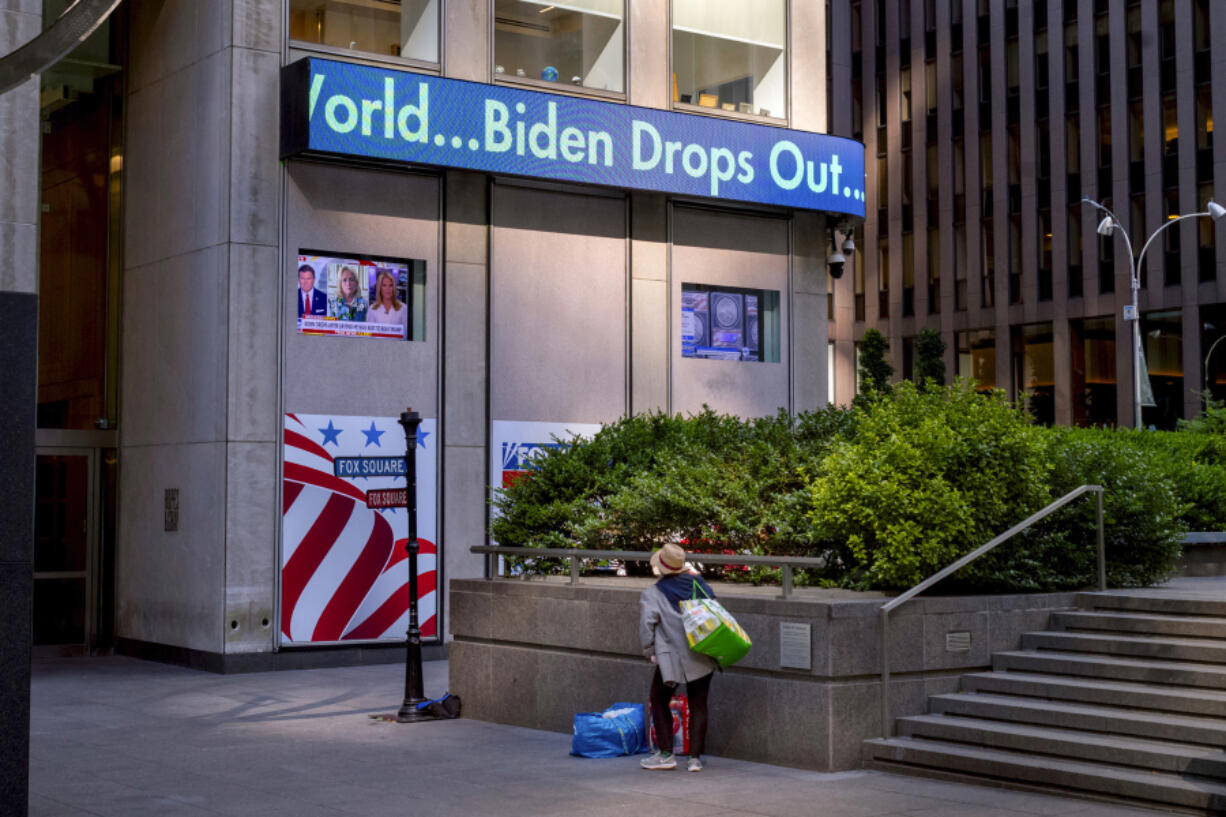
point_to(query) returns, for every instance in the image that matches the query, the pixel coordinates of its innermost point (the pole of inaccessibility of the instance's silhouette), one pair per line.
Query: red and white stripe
(343, 575)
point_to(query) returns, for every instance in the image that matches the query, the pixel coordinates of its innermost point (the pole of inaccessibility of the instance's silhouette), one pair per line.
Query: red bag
(680, 706)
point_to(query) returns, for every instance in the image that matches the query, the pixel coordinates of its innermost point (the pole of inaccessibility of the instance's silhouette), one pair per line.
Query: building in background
(986, 122)
(266, 228)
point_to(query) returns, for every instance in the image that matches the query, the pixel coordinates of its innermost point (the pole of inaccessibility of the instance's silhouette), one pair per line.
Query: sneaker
(659, 761)
(695, 764)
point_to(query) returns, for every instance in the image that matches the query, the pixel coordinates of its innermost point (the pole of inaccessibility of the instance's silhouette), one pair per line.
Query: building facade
(578, 212)
(986, 122)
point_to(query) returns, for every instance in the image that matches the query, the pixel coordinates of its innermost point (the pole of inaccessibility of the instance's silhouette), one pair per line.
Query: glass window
(904, 99)
(722, 323)
(976, 357)
(1162, 335)
(1204, 117)
(393, 28)
(731, 56)
(1170, 125)
(1093, 370)
(579, 43)
(1034, 370)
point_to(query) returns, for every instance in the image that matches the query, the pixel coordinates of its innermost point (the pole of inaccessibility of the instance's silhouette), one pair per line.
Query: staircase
(1123, 698)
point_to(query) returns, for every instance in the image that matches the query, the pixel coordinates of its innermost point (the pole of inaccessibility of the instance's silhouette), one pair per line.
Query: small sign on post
(385, 498)
(1130, 312)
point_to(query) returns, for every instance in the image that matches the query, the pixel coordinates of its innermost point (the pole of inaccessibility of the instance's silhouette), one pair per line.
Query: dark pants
(662, 716)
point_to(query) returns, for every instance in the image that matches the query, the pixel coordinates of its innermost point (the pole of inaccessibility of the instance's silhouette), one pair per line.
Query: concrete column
(19, 178)
(467, 46)
(807, 64)
(649, 309)
(464, 417)
(202, 287)
(650, 46)
(809, 320)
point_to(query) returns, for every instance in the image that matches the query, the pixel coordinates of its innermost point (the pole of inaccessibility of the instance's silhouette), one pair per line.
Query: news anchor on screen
(386, 307)
(311, 301)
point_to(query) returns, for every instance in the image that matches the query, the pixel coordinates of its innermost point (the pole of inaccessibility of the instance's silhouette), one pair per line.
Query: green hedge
(887, 492)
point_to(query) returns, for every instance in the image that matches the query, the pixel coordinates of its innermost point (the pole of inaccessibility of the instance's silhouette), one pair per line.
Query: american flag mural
(344, 570)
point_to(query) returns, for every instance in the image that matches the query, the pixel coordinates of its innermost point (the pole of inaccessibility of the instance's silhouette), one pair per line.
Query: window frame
(366, 57)
(784, 121)
(564, 89)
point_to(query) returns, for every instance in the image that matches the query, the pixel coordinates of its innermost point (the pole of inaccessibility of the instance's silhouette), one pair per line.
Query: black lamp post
(413, 689)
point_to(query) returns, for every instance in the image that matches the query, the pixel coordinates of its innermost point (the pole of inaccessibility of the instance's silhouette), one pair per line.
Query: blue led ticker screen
(342, 109)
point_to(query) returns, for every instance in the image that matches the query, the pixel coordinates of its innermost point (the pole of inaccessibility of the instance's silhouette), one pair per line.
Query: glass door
(65, 544)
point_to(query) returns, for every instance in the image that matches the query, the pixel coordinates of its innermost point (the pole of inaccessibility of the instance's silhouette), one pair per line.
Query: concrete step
(1201, 650)
(1128, 622)
(1163, 756)
(1111, 668)
(1184, 604)
(1187, 700)
(1185, 791)
(1088, 717)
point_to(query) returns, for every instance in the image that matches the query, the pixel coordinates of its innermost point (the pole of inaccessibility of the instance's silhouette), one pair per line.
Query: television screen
(354, 295)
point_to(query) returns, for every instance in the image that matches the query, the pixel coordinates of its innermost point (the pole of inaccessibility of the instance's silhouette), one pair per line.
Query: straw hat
(668, 560)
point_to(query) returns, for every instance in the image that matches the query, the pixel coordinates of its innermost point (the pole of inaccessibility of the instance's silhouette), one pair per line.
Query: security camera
(849, 246)
(835, 264)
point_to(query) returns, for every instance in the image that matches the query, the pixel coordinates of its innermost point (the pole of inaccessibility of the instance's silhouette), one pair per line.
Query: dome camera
(849, 246)
(834, 263)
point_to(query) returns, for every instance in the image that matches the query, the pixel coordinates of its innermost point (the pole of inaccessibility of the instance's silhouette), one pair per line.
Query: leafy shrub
(888, 492)
(711, 480)
(1142, 511)
(1194, 464)
(929, 358)
(929, 476)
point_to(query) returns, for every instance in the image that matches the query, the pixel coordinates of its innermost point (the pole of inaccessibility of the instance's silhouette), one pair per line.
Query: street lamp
(1110, 225)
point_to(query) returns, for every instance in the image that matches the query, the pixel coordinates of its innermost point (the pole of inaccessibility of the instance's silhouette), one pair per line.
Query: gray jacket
(663, 635)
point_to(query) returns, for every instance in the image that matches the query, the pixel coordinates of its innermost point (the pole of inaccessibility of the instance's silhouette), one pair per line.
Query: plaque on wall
(795, 646)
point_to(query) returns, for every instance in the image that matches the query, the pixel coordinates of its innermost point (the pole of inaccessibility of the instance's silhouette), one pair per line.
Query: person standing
(664, 644)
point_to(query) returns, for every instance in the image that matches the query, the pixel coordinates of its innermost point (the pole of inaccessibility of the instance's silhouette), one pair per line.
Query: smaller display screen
(721, 323)
(354, 295)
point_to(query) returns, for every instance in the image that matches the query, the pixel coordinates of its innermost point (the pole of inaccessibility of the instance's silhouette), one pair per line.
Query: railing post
(787, 581)
(574, 569)
(886, 726)
(1102, 555)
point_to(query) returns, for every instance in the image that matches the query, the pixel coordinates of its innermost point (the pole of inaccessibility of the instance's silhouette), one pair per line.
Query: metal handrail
(887, 725)
(787, 563)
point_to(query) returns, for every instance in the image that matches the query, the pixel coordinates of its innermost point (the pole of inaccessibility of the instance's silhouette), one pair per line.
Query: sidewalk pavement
(118, 736)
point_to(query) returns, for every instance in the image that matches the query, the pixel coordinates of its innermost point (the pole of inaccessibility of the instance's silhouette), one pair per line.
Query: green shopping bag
(711, 630)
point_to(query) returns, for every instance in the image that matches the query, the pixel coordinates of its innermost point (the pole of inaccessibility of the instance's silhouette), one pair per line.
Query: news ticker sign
(343, 109)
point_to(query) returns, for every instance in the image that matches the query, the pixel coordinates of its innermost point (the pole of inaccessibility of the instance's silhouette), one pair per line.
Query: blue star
(421, 438)
(373, 435)
(330, 434)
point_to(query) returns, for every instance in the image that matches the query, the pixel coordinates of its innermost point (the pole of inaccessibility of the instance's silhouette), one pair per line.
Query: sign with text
(345, 109)
(386, 498)
(368, 466)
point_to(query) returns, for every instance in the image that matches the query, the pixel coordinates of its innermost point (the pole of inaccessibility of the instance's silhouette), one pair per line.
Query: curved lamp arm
(1208, 357)
(1118, 228)
(1157, 232)
(72, 28)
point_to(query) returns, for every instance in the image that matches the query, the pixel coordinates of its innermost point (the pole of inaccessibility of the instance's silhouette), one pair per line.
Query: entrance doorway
(73, 542)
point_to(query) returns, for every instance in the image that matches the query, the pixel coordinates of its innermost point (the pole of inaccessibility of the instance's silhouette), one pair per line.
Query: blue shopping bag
(619, 730)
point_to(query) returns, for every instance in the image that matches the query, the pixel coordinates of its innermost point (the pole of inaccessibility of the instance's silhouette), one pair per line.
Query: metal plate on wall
(795, 645)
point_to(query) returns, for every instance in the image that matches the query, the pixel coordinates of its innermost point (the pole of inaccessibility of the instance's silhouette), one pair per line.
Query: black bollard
(413, 689)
